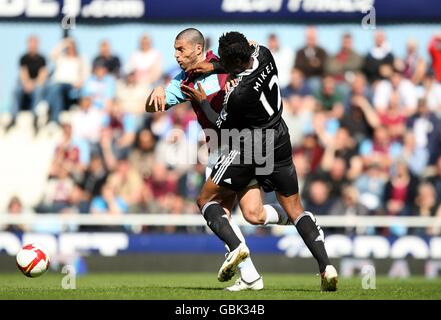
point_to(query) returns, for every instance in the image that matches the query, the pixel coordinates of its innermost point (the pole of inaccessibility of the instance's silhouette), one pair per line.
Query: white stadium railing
(198, 220)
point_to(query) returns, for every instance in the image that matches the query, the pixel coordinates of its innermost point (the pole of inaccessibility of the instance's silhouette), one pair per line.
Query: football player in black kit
(258, 148)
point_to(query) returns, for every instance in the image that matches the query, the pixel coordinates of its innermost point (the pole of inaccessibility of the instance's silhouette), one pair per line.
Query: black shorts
(282, 178)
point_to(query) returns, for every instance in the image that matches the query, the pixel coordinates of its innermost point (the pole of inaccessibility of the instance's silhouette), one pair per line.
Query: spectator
(413, 65)
(161, 186)
(394, 118)
(105, 57)
(94, 177)
(142, 157)
(318, 197)
(379, 61)
(312, 149)
(360, 117)
(358, 87)
(109, 203)
(119, 132)
(78, 202)
(191, 182)
(296, 87)
(87, 123)
(146, 62)
(73, 155)
(15, 207)
(57, 191)
(298, 107)
(335, 174)
(427, 130)
(370, 185)
(435, 53)
(185, 118)
(161, 124)
(67, 79)
(326, 125)
(379, 149)
(161, 181)
(132, 95)
(348, 205)
(404, 88)
(128, 184)
(415, 157)
(303, 168)
(32, 79)
(342, 146)
(400, 191)
(284, 58)
(329, 97)
(346, 62)
(100, 87)
(432, 93)
(425, 206)
(311, 58)
(435, 179)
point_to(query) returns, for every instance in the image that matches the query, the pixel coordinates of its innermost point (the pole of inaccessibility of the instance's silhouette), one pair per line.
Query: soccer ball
(32, 260)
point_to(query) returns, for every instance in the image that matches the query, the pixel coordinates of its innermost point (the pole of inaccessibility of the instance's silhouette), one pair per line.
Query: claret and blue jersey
(213, 85)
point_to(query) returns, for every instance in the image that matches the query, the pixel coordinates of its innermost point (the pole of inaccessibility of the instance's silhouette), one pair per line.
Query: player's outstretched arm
(156, 100)
(198, 96)
(201, 67)
(205, 67)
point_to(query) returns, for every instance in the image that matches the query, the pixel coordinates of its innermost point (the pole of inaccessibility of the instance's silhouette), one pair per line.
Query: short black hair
(234, 45)
(193, 35)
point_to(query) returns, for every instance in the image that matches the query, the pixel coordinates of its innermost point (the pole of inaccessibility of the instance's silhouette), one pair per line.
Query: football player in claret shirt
(190, 55)
(253, 105)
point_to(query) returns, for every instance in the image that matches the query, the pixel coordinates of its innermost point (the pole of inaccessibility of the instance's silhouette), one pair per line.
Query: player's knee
(254, 216)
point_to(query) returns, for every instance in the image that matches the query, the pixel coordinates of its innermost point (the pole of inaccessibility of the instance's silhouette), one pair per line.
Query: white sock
(247, 269)
(275, 214)
(271, 215)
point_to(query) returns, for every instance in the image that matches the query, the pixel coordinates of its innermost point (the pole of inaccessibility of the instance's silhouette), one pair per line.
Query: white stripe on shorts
(225, 166)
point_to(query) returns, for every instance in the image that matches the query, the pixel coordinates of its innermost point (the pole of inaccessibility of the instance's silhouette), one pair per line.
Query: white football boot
(241, 285)
(233, 258)
(329, 279)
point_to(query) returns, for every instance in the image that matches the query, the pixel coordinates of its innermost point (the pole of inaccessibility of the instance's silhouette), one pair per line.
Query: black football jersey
(254, 104)
(255, 101)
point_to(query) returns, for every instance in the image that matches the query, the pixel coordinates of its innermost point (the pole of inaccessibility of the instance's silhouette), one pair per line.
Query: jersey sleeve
(226, 116)
(173, 93)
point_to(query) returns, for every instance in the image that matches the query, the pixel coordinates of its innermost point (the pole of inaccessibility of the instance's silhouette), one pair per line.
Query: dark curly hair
(234, 45)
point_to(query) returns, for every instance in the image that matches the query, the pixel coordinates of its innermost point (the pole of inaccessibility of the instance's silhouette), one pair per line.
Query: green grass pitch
(194, 286)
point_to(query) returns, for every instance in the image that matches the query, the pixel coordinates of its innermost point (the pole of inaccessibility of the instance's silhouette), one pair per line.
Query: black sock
(314, 238)
(218, 222)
